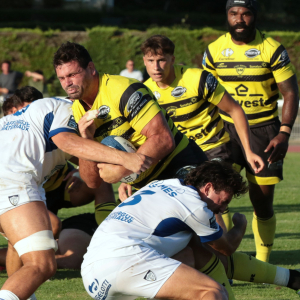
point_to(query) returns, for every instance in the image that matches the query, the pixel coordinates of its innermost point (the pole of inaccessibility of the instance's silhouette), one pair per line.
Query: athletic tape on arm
(41, 240)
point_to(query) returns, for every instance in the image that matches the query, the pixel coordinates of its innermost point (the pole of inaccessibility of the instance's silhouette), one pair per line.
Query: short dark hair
(71, 52)
(24, 94)
(222, 176)
(158, 44)
(6, 62)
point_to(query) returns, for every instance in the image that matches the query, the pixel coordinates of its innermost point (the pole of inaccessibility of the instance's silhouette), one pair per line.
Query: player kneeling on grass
(137, 250)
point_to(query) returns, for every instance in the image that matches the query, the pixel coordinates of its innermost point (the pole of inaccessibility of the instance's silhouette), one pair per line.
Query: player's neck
(89, 99)
(165, 83)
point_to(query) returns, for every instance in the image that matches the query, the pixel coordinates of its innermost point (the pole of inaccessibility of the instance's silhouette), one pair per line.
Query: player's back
(25, 140)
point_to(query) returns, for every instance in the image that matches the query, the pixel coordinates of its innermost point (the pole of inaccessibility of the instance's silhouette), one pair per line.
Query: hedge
(111, 47)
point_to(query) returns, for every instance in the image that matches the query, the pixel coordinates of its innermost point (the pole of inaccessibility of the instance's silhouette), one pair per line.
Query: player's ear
(173, 59)
(207, 188)
(92, 68)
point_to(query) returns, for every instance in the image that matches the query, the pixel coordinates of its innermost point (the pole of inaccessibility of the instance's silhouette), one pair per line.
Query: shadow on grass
(67, 274)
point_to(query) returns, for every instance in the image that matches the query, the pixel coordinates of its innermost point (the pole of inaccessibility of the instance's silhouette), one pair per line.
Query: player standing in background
(126, 108)
(254, 68)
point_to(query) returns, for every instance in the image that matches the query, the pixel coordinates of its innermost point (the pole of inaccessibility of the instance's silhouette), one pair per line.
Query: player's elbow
(168, 143)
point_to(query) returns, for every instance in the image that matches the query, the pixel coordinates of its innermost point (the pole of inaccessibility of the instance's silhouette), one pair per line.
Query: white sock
(7, 295)
(282, 276)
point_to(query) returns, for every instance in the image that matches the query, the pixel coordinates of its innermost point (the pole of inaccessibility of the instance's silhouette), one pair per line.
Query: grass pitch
(67, 284)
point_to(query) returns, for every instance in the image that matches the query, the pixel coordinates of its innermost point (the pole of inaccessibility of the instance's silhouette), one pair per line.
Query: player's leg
(55, 224)
(13, 261)
(33, 239)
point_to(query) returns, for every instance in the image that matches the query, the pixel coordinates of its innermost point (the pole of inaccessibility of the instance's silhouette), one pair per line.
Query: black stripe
(274, 87)
(108, 126)
(213, 111)
(178, 137)
(215, 138)
(60, 172)
(213, 124)
(276, 54)
(138, 107)
(201, 86)
(230, 65)
(126, 95)
(179, 104)
(211, 267)
(209, 67)
(192, 114)
(127, 135)
(209, 56)
(254, 78)
(272, 99)
(253, 95)
(181, 71)
(281, 65)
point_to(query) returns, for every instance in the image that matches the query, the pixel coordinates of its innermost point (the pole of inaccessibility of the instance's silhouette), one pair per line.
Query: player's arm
(230, 241)
(231, 107)
(279, 145)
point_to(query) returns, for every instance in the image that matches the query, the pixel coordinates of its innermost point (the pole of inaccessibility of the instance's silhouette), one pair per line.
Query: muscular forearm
(234, 237)
(89, 173)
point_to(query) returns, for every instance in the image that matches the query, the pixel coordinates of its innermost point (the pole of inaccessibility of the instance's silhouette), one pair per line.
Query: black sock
(294, 281)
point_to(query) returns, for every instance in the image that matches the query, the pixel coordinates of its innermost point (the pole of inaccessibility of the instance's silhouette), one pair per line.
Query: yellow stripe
(262, 180)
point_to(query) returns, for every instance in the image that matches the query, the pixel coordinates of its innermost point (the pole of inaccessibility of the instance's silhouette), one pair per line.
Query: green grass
(67, 284)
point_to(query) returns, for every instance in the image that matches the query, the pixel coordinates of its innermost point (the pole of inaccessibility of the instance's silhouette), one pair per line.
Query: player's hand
(87, 127)
(125, 191)
(73, 181)
(239, 220)
(279, 144)
(137, 162)
(112, 173)
(255, 161)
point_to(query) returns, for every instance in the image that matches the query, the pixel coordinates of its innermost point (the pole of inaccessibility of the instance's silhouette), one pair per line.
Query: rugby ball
(121, 144)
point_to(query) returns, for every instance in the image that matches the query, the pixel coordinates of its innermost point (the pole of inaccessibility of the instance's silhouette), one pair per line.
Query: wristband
(286, 133)
(287, 125)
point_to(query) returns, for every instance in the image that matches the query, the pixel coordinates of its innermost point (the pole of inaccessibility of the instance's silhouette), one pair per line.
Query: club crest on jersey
(171, 111)
(284, 57)
(72, 123)
(251, 53)
(178, 91)
(213, 223)
(211, 83)
(150, 276)
(240, 69)
(156, 95)
(14, 200)
(227, 52)
(103, 112)
(134, 100)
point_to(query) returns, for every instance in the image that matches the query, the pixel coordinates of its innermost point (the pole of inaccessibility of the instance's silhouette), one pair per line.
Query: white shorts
(128, 277)
(16, 193)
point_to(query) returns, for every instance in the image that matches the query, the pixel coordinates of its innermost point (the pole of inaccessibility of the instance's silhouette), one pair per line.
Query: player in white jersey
(33, 143)
(130, 253)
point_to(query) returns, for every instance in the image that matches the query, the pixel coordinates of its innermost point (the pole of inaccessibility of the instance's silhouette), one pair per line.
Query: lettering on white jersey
(102, 291)
(19, 124)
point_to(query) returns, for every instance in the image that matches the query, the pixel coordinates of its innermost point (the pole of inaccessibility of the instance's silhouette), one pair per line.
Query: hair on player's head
(158, 45)
(221, 175)
(68, 52)
(28, 94)
(6, 61)
(10, 103)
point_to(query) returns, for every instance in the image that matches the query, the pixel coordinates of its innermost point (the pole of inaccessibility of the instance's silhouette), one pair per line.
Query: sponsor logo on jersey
(171, 111)
(94, 286)
(103, 112)
(150, 276)
(178, 91)
(14, 200)
(204, 59)
(120, 215)
(157, 95)
(213, 223)
(284, 57)
(240, 69)
(227, 52)
(211, 83)
(221, 65)
(72, 123)
(133, 100)
(102, 291)
(19, 124)
(251, 53)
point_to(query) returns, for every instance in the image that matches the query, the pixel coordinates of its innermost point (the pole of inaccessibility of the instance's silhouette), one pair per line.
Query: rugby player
(254, 68)
(33, 144)
(131, 252)
(125, 108)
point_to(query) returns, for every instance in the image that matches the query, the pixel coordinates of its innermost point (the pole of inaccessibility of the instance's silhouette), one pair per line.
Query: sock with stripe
(215, 269)
(264, 234)
(102, 210)
(226, 215)
(8, 295)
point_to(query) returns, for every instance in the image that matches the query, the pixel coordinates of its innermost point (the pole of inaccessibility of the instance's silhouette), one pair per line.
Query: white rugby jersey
(162, 215)
(26, 147)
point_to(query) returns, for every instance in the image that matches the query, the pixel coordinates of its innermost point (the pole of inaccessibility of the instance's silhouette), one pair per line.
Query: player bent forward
(130, 253)
(33, 144)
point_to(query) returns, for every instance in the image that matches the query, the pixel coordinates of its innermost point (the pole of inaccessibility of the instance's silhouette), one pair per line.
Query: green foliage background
(111, 47)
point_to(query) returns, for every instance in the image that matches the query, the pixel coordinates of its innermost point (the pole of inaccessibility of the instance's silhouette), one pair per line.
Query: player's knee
(216, 292)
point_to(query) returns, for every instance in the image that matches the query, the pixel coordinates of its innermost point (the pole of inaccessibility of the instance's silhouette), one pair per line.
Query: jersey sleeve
(208, 62)
(203, 222)
(281, 65)
(61, 120)
(138, 106)
(210, 89)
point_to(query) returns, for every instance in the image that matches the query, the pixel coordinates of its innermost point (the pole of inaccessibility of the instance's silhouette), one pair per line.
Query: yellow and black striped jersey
(191, 102)
(125, 107)
(250, 73)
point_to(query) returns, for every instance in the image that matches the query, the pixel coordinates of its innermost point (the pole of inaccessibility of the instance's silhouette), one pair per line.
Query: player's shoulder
(219, 43)
(269, 42)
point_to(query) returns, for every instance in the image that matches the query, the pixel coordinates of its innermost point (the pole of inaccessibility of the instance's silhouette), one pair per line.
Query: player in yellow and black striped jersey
(191, 97)
(254, 68)
(125, 108)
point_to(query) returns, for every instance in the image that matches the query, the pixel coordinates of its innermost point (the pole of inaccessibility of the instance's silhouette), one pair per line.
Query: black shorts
(222, 152)
(260, 138)
(85, 222)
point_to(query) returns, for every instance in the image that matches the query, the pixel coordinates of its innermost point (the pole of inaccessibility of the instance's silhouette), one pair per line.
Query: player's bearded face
(244, 35)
